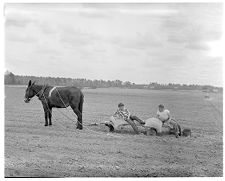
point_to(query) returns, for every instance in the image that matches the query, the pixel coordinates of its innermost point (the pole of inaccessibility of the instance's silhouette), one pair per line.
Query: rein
(42, 89)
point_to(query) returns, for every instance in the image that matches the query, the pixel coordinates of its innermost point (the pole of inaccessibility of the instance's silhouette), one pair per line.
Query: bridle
(36, 94)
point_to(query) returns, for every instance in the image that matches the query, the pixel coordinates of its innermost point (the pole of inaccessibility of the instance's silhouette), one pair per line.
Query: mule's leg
(79, 122)
(45, 112)
(79, 117)
(46, 117)
(50, 116)
(80, 108)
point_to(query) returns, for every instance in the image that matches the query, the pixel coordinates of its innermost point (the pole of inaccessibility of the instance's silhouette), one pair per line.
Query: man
(123, 113)
(164, 115)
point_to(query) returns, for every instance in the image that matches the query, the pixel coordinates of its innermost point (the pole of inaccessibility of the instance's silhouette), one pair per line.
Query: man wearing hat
(123, 113)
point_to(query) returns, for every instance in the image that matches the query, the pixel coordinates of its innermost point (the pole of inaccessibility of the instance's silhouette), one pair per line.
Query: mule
(56, 97)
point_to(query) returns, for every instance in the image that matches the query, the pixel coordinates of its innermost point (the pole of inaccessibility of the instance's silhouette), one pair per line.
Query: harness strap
(50, 92)
(43, 90)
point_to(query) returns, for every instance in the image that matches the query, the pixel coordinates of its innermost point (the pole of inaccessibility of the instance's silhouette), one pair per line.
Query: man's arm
(128, 114)
(157, 115)
(120, 114)
(117, 114)
(125, 114)
(169, 116)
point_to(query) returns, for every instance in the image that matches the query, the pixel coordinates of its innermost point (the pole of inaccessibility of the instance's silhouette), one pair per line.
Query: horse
(56, 97)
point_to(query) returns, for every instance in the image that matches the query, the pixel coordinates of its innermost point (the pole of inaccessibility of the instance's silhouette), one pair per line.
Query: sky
(141, 43)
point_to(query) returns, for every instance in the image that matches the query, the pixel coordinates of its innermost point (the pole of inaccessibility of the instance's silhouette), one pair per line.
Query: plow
(152, 126)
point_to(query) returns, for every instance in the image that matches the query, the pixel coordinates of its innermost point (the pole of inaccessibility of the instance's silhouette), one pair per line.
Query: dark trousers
(131, 122)
(136, 119)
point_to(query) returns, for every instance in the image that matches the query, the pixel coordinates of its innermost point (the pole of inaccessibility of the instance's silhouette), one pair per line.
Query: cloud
(136, 42)
(198, 46)
(157, 12)
(194, 23)
(19, 17)
(20, 38)
(74, 38)
(47, 50)
(131, 9)
(19, 23)
(47, 27)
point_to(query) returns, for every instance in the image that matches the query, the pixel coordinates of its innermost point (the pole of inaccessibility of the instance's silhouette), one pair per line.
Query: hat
(120, 104)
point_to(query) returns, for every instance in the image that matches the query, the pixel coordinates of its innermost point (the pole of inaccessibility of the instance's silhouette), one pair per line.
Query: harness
(42, 89)
(50, 92)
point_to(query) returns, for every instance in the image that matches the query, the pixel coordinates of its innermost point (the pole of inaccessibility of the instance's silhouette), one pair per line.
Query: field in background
(32, 150)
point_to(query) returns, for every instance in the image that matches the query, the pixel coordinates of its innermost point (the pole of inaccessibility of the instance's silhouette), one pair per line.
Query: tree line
(11, 79)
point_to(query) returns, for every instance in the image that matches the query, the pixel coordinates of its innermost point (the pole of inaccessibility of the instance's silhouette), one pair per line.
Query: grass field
(33, 150)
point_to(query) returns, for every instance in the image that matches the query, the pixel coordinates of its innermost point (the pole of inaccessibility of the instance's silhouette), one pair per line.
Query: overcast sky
(141, 43)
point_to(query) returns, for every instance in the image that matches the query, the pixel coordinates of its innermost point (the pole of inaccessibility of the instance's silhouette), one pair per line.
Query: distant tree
(118, 83)
(127, 84)
(10, 78)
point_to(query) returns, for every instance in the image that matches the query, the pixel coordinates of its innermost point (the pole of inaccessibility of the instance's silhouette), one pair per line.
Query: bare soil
(33, 150)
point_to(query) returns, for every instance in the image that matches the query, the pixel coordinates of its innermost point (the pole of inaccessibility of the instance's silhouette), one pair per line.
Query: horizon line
(122, 81)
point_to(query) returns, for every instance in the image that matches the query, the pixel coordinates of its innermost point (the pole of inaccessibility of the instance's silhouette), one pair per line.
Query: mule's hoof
(46, 125)
(50, 124)
(80, 128)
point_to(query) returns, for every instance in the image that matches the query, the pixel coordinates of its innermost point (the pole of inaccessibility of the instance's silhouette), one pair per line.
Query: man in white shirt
(164, 115)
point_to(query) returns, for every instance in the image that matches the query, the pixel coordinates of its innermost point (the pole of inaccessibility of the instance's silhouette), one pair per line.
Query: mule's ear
(29, 83)
(33, 83)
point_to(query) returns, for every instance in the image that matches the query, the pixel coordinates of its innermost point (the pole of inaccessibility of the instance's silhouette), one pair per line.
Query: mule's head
(29, 92)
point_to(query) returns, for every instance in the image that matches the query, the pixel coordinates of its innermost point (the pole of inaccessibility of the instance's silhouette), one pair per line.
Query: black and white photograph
(113, 90)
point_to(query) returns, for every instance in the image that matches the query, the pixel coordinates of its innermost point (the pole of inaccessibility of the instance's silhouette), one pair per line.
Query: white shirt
(164, 115)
